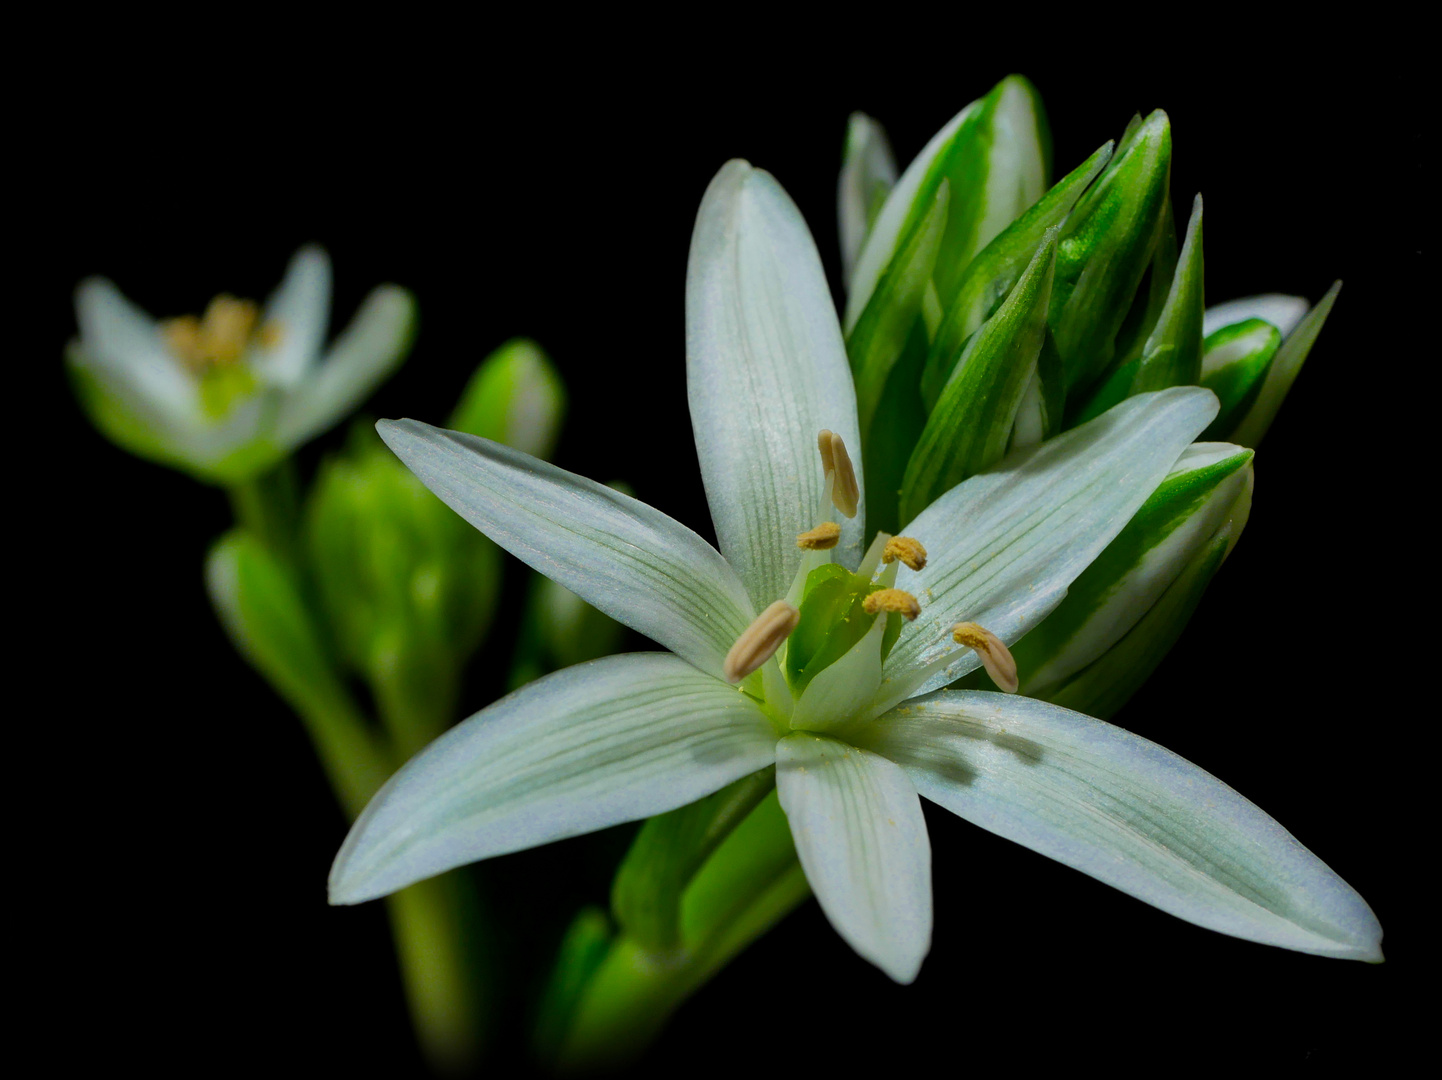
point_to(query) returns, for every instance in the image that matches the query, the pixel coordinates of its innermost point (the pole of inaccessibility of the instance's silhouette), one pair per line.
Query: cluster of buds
(987, 312)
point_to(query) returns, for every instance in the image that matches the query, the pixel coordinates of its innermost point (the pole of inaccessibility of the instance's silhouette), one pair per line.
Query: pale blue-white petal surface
(862, 841)
(615, 552)
(1282, 311)
(365, 354)
(1126, 812)
(766, 371)
(1004, 545)
(123, 345)
(298, 313)
(867, 170)
(598, 744)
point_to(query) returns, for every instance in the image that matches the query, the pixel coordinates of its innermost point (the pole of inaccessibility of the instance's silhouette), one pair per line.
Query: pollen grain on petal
(822, 538)
(836, 464)
(995, 656)
(759, 641)
(898, 600)
(908, 550)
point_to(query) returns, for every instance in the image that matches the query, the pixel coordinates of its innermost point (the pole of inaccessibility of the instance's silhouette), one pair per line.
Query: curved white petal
(123, 346)
(1126, 812)
(372, 346)
(766, 371)
(862, 841)
(1004, 545)
(614, 740)
(867, 170)
(615, 552)
(299, 312)
(1282, 311)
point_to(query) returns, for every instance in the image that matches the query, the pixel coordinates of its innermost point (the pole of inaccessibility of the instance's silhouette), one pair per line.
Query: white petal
(614, 740)
(1126, 812)
(862, 841)
(1283, 312)
(867, 168)
(766, 371)
(300, 310)
(618, 554)
(123, 346)
(372, 346)
(1004, 545)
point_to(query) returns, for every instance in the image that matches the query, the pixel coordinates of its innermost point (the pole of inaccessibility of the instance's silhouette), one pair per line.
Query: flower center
(830, 615)
(221, 336)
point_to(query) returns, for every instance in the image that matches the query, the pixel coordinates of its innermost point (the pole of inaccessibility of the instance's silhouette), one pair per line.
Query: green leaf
(990, 276)
(516, 397)
(971, 425)
(877, 340)
(1282, 372)
(1106, 246)
(1234, 361)
(667, 852)
(1172, 355)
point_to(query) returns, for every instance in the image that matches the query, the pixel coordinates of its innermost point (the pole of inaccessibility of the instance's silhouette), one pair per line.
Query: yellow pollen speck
(759, 642)
(995, 656)
(897, 600)
(821, 538)
(907, 550)
(836, 465)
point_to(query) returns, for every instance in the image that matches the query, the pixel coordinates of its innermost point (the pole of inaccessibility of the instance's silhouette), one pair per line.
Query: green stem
(268, 507)
(434, 924)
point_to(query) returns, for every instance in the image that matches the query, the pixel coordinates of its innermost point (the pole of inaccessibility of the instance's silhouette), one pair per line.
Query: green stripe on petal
(595, 745)
(1127, 812)
(859, 832)
(1283, 371)
(970, 426)
(766, 371)
(990, 276)
(618, 554)
(1004, 545)
(1234, 360)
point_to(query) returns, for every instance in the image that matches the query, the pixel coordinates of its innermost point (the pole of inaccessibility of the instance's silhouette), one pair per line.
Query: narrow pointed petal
(859, 831)
(123, 346)
(618, 554)
(1127, 812)
(299, 311)
(1004, 545)
(1283, 312)
(868, 172)
(595, 745)
(766, 371)
(363, 357)
(1283, 371)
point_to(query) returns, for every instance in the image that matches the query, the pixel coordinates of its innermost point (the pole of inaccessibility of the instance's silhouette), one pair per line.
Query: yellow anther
(271, 335)
(821, 538)
(898, 600)
(759, 642)
(995, 656)
(836, 465)
(220, 337)
(907, 550)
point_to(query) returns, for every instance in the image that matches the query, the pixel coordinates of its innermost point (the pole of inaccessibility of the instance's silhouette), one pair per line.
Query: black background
(175, 829)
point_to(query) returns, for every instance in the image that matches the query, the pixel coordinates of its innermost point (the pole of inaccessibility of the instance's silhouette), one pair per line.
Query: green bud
(972, 423)
(1206, 496)
(1172, 353)
(515, 397)
(1107, 244)
(868, 173)
(1234, 362)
